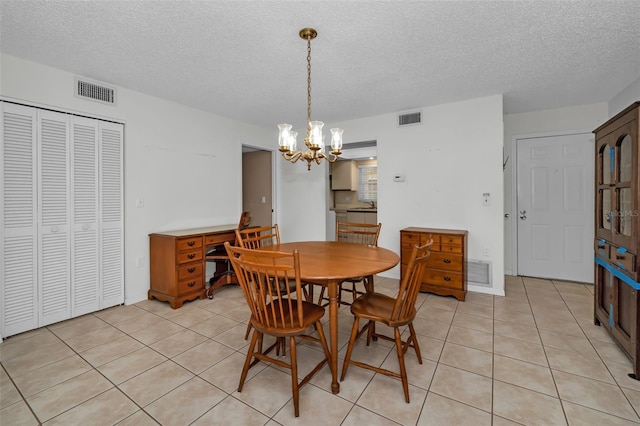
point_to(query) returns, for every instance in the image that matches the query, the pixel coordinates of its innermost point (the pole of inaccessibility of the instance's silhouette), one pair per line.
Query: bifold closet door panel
(85, 256)
(18, 220)
(111, 214)
(54, 212)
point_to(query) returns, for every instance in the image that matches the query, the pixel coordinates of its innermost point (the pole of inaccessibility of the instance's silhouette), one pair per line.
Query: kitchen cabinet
(344, 175)
(358, 216)
(617, 223)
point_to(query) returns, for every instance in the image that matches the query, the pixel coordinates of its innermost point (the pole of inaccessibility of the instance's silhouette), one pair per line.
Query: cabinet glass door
(605, 210)
(606, 164)
(623, 218)
(625, 212)
(624, 159)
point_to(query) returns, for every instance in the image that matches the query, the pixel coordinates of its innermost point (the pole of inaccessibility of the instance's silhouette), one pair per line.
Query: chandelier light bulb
(336, 140)
(293, 141)
(283, 138)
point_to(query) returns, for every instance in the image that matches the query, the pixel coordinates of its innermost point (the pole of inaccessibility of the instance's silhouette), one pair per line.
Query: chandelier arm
(331, 159)
(292, 156)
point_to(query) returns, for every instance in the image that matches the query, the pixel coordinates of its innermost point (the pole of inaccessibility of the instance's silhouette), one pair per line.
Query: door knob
(523, 214)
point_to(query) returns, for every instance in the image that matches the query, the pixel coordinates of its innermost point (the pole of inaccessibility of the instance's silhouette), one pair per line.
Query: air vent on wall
(410, 118)
(98, 92)
(479, 273)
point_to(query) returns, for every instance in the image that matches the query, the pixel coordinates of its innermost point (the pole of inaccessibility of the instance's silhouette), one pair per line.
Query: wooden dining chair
(359, 233)
(260, 237)
(223, 273)
(277, 311)
(394, 312)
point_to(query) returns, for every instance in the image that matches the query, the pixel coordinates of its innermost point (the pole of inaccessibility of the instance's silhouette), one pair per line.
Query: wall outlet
(140, 262)
(486, 252)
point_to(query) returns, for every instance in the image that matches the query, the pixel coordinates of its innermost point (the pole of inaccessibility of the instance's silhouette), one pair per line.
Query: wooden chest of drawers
(446, 272)
(177, 262)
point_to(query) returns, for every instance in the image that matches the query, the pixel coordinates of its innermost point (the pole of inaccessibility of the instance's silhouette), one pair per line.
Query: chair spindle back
(359, 233)
(270, 304)
(410, 285)
(258, 237)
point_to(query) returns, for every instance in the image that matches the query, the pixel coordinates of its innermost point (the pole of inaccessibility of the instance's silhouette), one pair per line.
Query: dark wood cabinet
(178, 262)
(446, 271)
(616, 230)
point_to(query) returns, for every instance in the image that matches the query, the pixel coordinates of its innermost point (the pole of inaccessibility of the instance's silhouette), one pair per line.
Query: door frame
(274, 194)
(514, 184)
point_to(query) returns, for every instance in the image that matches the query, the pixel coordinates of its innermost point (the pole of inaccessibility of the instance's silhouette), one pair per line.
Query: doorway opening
(258, 185)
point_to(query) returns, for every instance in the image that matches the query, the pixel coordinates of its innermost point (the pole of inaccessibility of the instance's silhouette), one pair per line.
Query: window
(368, 183)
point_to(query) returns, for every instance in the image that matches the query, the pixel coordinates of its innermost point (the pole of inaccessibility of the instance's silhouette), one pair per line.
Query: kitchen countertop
(354, 209)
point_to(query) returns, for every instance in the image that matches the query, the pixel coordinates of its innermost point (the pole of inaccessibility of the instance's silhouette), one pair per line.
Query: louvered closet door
(111, 214)
(18, 287)
(85, 282)
(54, 212)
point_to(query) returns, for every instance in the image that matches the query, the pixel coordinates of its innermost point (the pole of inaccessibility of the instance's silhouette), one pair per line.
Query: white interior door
(555, 181)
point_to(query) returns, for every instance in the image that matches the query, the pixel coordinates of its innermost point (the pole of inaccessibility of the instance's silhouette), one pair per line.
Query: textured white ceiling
(244, 59)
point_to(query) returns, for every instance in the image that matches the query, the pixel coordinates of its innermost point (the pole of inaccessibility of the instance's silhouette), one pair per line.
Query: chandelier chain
(308, 82)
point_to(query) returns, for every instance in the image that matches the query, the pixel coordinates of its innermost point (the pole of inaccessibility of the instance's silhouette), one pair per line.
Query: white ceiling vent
(410, 118)
(95, 91)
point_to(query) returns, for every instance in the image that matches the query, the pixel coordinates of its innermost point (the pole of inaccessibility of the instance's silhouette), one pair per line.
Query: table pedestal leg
(333, 332)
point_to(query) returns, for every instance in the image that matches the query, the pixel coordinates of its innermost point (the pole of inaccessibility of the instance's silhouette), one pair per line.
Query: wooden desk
(177, 262)
(328, 263)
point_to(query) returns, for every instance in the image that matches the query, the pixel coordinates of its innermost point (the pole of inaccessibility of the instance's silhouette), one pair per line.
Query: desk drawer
(190, 285)
(210, 240)
(189, 256)
(189, 243)
(448, 261)
(190, 271)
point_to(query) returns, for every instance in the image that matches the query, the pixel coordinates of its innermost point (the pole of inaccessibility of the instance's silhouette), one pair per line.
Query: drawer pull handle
(601, 246)
(619, 256)
(191, 270)
(447, 278)
(191, 256)
(191, 243)
(191, 284)
(447, 261)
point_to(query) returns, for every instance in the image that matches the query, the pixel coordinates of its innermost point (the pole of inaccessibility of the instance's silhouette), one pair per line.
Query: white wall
(626, 97)
(579, 118)
(184, 163)
(449, 161)
(302, 193)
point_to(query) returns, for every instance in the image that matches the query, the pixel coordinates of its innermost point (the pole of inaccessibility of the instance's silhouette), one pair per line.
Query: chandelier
(314, 140)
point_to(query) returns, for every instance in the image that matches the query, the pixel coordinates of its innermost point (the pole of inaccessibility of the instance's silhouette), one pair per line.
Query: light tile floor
(532, 357)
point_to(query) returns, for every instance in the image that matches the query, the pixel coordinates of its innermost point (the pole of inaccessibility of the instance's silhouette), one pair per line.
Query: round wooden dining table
(328, 263)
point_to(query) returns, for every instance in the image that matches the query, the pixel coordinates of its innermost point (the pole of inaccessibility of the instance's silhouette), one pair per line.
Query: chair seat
(311, 314)
(378, 307)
